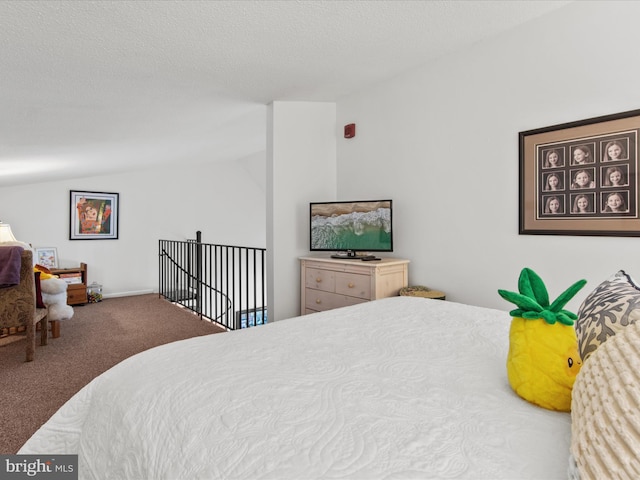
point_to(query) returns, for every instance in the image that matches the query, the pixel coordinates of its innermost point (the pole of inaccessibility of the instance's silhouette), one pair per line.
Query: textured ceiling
(88, 87)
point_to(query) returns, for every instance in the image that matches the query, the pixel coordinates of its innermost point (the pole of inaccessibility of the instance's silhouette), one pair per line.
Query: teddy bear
(54, 295)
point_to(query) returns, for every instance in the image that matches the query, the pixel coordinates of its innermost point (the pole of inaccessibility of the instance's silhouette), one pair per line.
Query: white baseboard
(128, 294)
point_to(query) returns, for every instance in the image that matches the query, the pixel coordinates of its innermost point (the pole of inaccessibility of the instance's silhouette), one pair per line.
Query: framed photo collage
(581, 178)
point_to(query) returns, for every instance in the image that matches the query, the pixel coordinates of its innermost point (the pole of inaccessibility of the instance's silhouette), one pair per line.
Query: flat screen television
(351, 229)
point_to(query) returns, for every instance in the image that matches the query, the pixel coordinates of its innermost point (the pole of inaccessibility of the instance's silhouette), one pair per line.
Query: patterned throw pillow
(612, 306)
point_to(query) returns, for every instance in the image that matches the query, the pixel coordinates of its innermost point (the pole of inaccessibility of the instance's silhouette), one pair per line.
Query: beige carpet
(98, 336)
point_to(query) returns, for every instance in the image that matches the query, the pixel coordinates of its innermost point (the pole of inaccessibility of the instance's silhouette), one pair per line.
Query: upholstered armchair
(18, 306)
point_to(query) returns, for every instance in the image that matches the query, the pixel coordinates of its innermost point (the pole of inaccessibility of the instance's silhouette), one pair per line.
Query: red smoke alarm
(350, 130)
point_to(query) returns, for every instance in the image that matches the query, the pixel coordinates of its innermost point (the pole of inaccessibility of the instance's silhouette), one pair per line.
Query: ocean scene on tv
(364, 226)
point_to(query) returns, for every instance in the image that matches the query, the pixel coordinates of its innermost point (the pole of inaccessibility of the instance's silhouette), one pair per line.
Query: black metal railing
(223, 283)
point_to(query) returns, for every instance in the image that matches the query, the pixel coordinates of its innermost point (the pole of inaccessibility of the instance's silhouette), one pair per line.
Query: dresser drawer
(353, 285)
(321, 279)
(76, 293)
(319, 301)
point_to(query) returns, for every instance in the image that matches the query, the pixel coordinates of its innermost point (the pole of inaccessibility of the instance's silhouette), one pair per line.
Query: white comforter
(398, 388)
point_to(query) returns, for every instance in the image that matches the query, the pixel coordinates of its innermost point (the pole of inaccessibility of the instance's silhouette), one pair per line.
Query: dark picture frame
(581, 178)
(93, 215)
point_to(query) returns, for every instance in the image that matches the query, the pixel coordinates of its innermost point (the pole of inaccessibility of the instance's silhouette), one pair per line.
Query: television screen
(364, 226)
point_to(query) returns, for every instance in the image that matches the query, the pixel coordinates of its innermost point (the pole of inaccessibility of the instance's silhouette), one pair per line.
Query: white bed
(397, 388)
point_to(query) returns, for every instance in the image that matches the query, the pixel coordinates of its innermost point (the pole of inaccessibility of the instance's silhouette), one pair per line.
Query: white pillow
(605, 418)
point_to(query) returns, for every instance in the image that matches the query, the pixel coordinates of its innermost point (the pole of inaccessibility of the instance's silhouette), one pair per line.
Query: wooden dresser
(328, 283)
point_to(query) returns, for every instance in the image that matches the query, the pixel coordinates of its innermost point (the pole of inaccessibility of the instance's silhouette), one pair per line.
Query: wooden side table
(76, 292)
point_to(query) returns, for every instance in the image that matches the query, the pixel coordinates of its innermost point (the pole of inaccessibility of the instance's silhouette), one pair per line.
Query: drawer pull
(318, 280)
(318, 301)
(351, 285)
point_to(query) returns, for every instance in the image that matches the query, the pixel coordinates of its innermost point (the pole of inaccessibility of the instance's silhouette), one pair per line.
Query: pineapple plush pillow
(612, 306)
(543, 358)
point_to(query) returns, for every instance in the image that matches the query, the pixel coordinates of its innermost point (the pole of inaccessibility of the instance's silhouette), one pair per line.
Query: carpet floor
(99, 336)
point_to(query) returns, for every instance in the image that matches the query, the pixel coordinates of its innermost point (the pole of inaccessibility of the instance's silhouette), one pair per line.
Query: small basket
(420, 291)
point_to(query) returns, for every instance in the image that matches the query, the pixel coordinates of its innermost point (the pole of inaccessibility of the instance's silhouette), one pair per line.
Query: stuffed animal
(45, 273)
(54, 296)
(54, 290)
(543, 358)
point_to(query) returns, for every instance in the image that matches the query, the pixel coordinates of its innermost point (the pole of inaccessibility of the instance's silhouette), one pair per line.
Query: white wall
(443, 143)
(225, 200)
(301, 144)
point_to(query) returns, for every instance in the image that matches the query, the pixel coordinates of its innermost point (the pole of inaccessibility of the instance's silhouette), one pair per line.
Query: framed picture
(251, 317)
(581, 178)
(94, 215)
(47, 257)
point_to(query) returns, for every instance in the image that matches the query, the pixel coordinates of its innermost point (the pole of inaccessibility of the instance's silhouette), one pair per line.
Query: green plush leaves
(564, 319)
(567, 295)
(569, 314)
(533, 299)
(549, 317)
(521, 300)
(531, 285)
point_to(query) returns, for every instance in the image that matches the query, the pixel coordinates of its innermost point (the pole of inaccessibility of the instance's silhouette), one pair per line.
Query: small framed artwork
(581, 178)
(47, 257)
(93, 215)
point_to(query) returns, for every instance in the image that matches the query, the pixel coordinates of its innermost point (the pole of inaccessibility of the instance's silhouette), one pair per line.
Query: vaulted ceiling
(89, 87)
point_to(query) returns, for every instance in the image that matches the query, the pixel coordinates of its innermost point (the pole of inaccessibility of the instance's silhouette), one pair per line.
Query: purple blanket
(10, 262)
